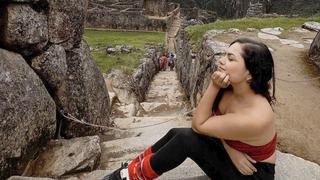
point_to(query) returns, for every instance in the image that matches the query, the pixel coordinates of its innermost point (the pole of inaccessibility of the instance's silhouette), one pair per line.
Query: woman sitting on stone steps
(233, 130)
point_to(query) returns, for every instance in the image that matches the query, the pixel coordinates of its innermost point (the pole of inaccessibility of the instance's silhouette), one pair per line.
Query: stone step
(152, 108)
(145, 123)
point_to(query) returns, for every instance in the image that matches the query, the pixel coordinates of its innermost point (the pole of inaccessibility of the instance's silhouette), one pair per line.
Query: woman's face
(233, 64)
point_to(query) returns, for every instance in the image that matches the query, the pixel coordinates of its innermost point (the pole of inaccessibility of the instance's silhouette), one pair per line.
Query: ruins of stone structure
(256, 10)
(45, 67)
(146, 15)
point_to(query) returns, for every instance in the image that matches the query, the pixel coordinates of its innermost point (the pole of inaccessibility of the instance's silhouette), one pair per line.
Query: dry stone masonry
(147, 15)
(45, 67)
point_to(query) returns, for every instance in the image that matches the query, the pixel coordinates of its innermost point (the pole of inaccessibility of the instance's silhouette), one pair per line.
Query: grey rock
(120, 84)
(62, 157)
(234, 30)
(193, 22)
(51, 66)
(314, 52)
(314, 26)
(290, 167)
(66, 22)
(272, 31)
(267, 36)
(111, 50)
(28, 113)
(25, 30)
(27, 178)
(252, 30)
(212, 33)
(217, 47)
(125, 49)
(84, 94)
(98, 174)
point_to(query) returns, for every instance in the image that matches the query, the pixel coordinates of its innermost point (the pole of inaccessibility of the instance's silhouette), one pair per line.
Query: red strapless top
(257, 153)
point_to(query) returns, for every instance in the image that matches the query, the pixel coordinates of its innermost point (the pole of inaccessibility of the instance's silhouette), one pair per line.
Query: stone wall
(295, 7)
(156, 7)
(190, 13)
(45, 67)
(131, 15)
(238, 9)
(129, 19)
(194, 71)
(256, 10)
(144, 73)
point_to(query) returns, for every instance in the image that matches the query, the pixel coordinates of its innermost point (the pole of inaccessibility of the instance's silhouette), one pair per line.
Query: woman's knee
(188, 135)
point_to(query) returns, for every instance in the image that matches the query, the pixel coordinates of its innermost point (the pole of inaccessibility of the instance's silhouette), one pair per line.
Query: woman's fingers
(226, 80)
(252, 169)
(221, 79)
(249, 163)
(246, 169)
(250, 159)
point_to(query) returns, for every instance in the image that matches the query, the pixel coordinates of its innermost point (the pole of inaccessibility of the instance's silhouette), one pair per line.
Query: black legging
(208, 152)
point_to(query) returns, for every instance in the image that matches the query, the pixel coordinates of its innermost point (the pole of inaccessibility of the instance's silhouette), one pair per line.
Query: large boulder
(23, 29)
(84, 94)
(28, 114)
(51, 66)
(63, 157)
(66, 22)
(314, 52)
(313, 26)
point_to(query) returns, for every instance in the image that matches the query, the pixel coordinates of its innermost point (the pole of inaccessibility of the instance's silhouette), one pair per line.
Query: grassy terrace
(126, 62)
(196, 32)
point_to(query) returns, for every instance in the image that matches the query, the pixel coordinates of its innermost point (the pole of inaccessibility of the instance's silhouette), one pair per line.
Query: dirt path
(298, 103)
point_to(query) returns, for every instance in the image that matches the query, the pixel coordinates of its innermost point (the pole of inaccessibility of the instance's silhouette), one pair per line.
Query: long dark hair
(259, 62)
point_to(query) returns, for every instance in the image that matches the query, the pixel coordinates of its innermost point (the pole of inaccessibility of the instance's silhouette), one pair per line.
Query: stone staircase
(166, 108)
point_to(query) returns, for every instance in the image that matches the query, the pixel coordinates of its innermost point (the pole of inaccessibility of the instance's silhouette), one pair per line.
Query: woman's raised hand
(220, 79)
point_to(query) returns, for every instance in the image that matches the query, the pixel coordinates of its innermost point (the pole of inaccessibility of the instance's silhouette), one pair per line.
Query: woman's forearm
(204, 108)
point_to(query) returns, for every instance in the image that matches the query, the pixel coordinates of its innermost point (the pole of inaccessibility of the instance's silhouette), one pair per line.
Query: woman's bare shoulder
(262, 110)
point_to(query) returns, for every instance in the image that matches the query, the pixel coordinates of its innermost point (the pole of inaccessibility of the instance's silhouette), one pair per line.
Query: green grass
(126, 62)
(196, 32)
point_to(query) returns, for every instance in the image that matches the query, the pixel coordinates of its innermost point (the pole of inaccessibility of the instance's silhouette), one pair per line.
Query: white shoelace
(124, 174)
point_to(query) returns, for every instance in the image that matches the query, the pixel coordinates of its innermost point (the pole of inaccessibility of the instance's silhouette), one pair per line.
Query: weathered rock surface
(28, 114)
(120, 84)
(63, 157)
(273, 31)
(143, 74)
(66, 22)
(85, 95)
(49, 35)
(289, 167)
(194, 73)
(314, 52)
(28, 178)
(51, 66)
(24, 30)
(267, 36)
(314, 26)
